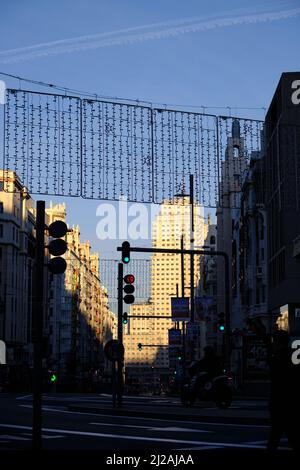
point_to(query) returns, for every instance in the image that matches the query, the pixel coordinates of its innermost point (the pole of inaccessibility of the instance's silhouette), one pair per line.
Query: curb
(176, 417)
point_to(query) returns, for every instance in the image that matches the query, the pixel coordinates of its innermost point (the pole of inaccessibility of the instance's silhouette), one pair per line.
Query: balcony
(296, 247)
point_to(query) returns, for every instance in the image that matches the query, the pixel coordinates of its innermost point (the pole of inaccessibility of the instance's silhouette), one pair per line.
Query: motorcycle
(202, 387)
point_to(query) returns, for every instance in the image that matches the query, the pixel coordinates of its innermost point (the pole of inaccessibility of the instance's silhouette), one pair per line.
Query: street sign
(2, 352)
(180, 308)
(174, 337)
(114, 350)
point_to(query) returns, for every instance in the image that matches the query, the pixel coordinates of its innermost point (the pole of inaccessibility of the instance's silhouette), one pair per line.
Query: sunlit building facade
(17, 238)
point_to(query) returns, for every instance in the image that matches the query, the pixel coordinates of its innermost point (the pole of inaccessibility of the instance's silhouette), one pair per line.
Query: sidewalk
(257, 415)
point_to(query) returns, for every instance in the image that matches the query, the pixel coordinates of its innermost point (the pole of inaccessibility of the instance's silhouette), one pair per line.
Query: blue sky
(237, 65)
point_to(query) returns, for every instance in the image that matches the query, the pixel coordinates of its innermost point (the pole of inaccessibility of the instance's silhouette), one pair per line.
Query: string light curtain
(97, 149)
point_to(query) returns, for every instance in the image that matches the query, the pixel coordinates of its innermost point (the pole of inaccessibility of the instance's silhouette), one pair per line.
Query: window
(1, 231)
(1, 207)
(1, 185)
(212, 240)
(236, 151)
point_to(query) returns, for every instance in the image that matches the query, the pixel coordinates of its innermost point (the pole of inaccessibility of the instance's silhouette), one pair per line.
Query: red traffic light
(129, 279)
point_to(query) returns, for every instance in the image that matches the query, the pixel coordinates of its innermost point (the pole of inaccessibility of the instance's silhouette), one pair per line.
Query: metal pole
(120, 334)
(183, 350)
(37, 323)
(182, 266)
(113, 380)
(182, 295)
(177, 295)
(227, 311)
(192, 259)
(192, 264)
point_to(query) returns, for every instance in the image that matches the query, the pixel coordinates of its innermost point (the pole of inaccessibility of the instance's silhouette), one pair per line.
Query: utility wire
(116, 98)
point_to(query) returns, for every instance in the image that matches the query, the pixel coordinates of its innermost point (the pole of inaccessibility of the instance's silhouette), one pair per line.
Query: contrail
(139, 34)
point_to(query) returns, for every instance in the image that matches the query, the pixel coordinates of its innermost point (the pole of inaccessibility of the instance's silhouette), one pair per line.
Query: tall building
(282, 166)
(169, 226)
(228, 218)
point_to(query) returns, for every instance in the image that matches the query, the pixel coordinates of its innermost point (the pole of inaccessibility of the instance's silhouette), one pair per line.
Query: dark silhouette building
(282, 167)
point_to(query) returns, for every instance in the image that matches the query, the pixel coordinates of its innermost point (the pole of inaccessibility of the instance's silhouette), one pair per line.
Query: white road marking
(200, 448)
(25, 397)
(201, 423)
(151, 428)
(136, 438)
(44, 436)
(15, 438)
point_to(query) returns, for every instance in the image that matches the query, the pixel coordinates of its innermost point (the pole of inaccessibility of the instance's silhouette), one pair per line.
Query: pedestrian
(284, 405)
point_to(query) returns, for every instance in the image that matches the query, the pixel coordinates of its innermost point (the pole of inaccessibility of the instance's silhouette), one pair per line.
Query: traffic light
(53, 378)
(57, 247)
(125, 318)
(140, 346)
(129, 288)
(125, 252)
(221, 322)
(179, 356)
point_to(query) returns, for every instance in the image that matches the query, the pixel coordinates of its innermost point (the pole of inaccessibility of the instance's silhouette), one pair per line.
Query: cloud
(138, 34)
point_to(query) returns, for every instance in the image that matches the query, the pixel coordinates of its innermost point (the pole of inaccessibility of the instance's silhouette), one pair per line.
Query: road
(96, 429)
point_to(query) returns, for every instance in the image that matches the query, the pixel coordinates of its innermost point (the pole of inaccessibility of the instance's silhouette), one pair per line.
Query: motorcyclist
(210, 363)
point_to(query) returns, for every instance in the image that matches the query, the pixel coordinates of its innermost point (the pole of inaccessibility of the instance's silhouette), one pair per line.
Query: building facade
(77, 320)
(17, 241)
(282, 166)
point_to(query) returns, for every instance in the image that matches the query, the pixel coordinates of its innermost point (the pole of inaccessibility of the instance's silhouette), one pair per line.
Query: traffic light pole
(120, 335)
(37, 323)
(192, 257)
(182, 295)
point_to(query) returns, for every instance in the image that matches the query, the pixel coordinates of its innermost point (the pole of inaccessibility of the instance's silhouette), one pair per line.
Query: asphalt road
(65, 430)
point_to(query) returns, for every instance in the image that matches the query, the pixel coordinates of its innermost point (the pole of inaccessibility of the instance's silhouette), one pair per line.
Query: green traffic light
(222, 328)
(124, 322)
(53, 378)
(126, 259)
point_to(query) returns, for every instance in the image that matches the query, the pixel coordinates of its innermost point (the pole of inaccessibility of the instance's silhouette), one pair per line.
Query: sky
(206, 53)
